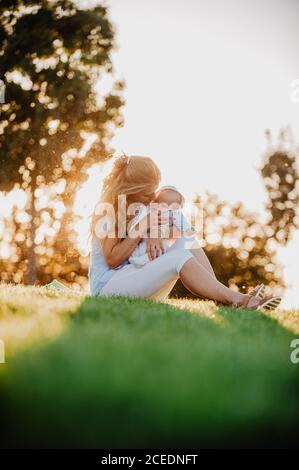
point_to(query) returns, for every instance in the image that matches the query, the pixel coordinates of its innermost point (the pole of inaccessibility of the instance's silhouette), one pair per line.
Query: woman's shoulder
(96, 244)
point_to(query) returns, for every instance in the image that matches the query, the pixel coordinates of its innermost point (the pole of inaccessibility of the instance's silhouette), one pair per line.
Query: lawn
(119, 372)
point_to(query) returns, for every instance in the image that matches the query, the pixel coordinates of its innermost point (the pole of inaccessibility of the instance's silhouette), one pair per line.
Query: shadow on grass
(135, 373)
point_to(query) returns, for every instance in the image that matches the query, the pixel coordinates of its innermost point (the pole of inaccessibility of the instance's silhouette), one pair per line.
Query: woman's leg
(164, 292)
(193, 245)
(148, 280)
(152, 279)
(201, 282)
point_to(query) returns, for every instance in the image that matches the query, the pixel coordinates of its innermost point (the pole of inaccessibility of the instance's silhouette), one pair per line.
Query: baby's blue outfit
(99, 272)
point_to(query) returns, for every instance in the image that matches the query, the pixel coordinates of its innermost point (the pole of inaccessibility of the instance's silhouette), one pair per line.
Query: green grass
(124, 372)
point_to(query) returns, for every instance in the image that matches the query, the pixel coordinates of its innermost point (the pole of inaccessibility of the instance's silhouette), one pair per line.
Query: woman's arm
(116, 251)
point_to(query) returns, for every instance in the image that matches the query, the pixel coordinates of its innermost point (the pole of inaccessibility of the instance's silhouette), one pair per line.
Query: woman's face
(145, 197)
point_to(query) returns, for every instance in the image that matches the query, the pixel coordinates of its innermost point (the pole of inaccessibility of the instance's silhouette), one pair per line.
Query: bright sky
(204, 79)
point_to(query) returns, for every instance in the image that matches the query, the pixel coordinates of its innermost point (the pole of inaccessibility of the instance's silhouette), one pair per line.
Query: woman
(137, 178)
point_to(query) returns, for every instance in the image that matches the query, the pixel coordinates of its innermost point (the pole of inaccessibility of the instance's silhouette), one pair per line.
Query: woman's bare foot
(248, 301)
(252, 302)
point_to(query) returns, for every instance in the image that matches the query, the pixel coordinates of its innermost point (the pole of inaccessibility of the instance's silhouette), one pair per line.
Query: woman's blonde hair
(129, 176)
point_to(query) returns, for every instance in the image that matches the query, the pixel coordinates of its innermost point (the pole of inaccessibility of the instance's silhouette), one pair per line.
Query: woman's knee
(181, 256)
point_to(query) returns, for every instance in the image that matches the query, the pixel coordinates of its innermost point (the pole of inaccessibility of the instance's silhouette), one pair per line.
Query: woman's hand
(155, 247)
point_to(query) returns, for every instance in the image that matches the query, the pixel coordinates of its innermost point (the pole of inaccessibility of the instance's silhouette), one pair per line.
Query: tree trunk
(31, 251)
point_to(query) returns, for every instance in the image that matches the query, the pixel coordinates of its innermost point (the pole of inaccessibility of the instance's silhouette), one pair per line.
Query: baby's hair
(174, 189)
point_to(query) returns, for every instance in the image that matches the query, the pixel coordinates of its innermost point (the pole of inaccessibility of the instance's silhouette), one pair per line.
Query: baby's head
(170, 196)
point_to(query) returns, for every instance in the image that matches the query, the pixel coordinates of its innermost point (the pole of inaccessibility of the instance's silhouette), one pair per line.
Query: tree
(240, 248)
(54, 258)
(52, 53)
(281, 179)
(14, 264)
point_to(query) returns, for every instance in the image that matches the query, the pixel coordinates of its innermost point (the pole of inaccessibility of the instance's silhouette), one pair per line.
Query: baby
(168, 197)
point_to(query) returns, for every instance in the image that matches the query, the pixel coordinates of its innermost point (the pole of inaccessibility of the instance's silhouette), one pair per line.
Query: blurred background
(209, 89)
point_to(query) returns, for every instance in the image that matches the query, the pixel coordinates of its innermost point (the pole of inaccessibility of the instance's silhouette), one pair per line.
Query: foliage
(52, 53)
(281, 178)
(240, 247)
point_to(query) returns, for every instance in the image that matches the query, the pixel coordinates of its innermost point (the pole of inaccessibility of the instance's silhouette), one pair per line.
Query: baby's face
(169, 198)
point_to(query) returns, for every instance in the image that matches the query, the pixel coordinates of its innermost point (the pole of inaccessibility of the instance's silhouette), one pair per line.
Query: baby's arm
(177, 226)
(148, 248)
(140, 249)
